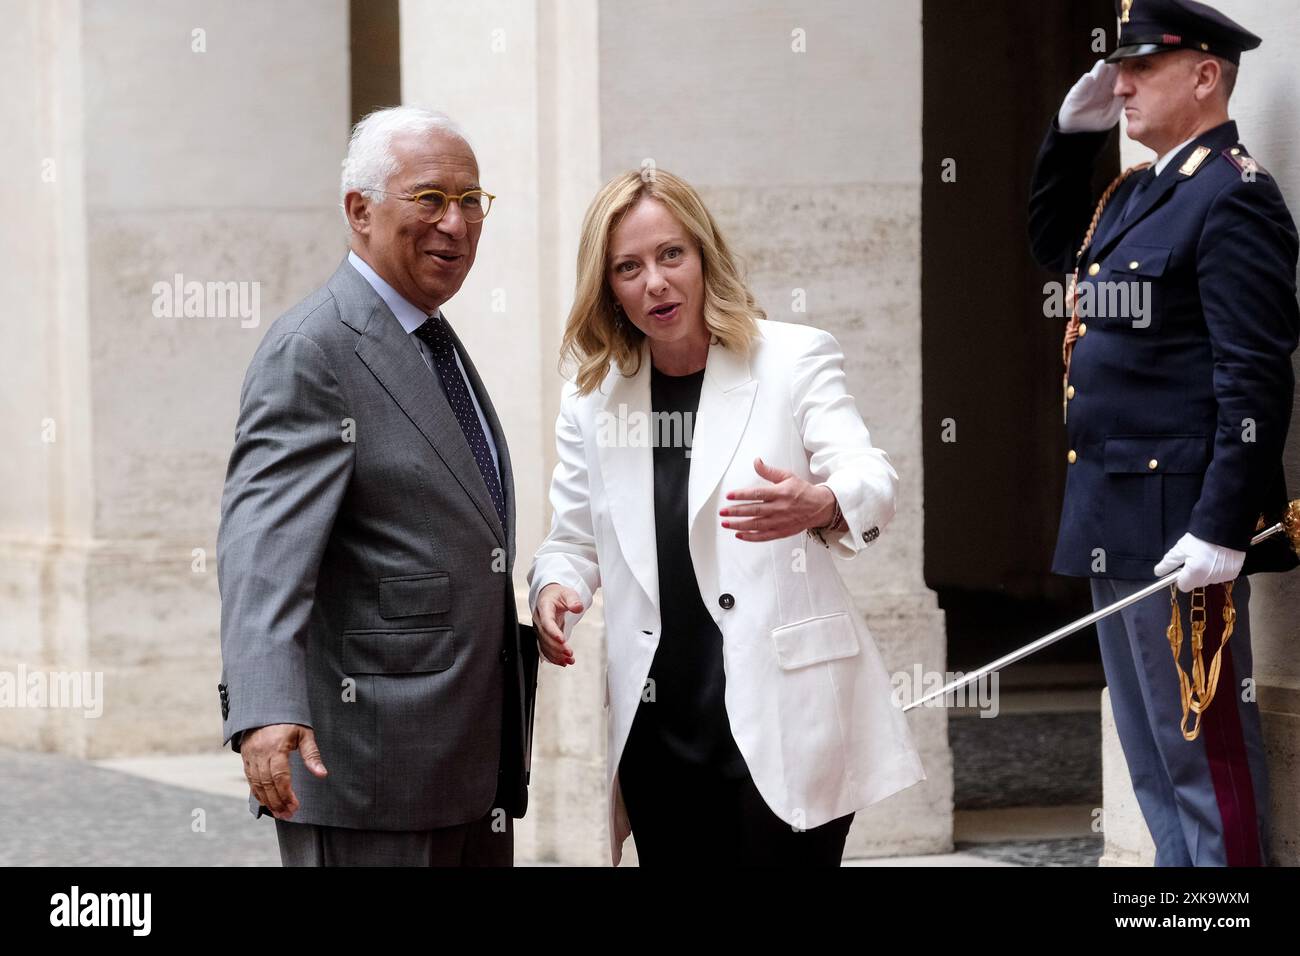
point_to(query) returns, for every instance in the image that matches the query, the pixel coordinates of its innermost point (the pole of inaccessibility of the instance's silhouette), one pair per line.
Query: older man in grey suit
(367, 541)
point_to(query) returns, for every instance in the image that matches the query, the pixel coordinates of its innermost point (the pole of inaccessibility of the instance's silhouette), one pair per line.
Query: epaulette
(1244, 163)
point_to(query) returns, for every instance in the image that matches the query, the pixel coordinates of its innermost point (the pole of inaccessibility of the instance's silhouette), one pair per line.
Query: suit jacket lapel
(387, 351)
(726, 399)
(498, 438)
(627, 468)
(1216, 139)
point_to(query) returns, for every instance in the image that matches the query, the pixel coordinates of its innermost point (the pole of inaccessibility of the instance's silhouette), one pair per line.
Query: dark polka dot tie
(436, 334)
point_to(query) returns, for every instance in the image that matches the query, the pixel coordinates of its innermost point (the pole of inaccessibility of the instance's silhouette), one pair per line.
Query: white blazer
(807, 695)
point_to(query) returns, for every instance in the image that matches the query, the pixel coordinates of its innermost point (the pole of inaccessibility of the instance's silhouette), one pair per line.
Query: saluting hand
(786, 507)
(1091, 106)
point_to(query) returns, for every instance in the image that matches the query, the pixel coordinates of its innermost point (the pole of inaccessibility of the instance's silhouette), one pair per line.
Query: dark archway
(994, 74)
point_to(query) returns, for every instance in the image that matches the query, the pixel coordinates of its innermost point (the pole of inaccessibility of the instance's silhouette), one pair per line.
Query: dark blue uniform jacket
(1178, 416)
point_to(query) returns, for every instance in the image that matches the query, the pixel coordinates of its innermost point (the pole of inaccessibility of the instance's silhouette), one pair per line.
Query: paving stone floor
(66, 812)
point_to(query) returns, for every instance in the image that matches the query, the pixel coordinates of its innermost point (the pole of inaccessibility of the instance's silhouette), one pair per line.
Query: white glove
(1203, 563)
(1091, 106)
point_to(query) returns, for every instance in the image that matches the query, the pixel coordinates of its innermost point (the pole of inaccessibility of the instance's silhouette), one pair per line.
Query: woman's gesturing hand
(786, 507)
(553, 603)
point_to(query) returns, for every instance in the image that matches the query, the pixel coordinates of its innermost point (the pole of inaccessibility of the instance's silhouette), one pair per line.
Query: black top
(686, 721)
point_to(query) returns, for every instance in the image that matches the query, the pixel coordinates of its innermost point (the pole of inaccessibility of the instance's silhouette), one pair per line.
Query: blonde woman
(710, 463)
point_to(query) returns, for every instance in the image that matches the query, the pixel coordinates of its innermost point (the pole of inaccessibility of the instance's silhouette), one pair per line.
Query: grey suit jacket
(365, 576)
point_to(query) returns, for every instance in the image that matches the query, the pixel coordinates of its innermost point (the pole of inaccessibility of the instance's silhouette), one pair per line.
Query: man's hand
(1203, 563)
(553, 602)
(1091, 106)
(787, 507)
(266, 764)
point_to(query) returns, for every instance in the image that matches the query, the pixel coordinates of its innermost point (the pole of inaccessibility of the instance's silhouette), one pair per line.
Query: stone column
(152, 147)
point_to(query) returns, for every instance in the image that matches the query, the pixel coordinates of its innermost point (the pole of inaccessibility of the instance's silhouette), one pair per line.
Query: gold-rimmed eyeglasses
(432, 204)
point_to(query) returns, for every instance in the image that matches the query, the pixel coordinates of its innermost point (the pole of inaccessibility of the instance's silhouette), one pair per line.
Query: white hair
(370, 160)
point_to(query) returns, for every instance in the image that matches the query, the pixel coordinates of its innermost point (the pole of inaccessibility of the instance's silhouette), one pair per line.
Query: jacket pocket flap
(407, 595)
(398, 652)
(1157, 454)
(1133, 260)
(815, 640)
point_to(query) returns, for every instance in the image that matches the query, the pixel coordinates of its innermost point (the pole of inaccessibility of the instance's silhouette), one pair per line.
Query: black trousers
(682, 814)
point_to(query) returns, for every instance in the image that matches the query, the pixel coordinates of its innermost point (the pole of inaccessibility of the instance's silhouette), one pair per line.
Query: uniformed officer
(1177, 401)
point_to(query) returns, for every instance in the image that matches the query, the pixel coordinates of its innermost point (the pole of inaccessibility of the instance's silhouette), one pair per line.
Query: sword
(1289, 525)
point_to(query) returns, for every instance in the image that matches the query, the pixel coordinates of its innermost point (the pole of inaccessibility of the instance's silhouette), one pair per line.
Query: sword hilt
(1289, 525)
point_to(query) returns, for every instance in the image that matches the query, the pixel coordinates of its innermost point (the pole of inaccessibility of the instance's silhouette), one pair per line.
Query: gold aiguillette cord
(1197, 690)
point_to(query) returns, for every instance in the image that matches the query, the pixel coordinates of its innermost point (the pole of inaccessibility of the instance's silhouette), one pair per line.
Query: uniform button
(1134, 264)
(1153, 464)
(1094, 268)
(1235, 151)
(1083, 329)
(1069, 392)
(727, 602)
(1072, 457)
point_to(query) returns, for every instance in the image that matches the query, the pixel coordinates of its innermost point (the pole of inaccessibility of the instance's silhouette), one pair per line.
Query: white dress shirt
(411, 319)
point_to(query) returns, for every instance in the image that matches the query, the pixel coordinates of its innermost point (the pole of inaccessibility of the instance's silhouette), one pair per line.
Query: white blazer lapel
(726, 398)
(623, 436)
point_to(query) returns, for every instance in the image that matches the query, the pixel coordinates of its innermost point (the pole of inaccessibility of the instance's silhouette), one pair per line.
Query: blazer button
(727, 602)
(505, 655)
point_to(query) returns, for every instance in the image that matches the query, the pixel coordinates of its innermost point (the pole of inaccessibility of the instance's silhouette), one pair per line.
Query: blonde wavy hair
(595, 334)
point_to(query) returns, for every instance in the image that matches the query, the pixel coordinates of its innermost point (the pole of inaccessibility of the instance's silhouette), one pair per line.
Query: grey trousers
(486, 842)
(1204, 801)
